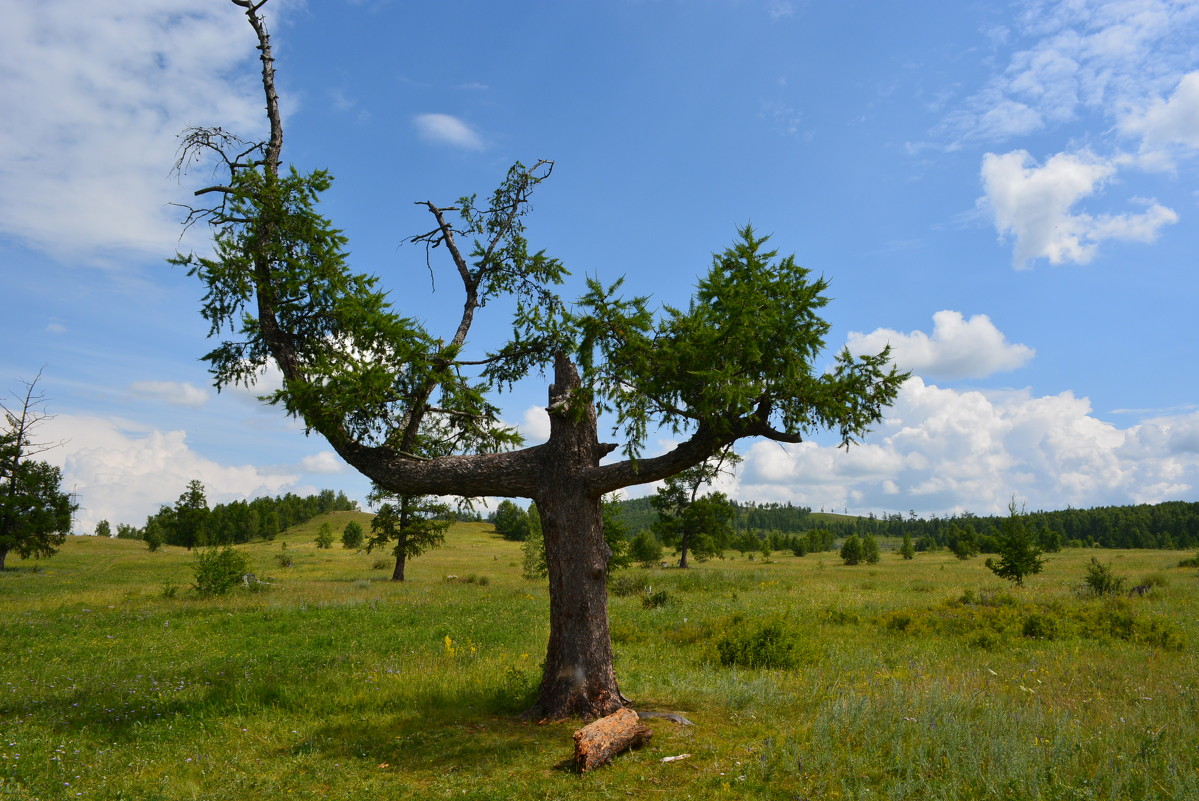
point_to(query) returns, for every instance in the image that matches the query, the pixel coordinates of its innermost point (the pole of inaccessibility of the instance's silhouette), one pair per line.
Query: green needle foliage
(1019, 552)
(413, 411)
(414, 523)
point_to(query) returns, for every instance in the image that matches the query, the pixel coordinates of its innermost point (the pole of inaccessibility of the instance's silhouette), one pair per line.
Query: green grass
(905, 680)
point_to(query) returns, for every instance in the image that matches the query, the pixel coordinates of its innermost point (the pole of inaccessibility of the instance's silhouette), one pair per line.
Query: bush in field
(324, 536)
(353, 535)
(1101, 580)
(646, 549)
(1019, 552)
(870, 550)
(658, 599)
(628, 584)
(907, 550)
(218, 570)
(760, 645)
(852, 552)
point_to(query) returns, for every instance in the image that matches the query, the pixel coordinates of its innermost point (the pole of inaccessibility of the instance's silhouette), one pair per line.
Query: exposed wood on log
(599, 741)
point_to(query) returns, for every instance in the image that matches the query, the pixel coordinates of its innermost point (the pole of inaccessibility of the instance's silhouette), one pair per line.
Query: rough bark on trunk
(398, 573)
(578, 679)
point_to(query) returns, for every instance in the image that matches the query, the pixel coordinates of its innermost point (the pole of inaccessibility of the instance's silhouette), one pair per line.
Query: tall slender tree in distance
(35, 514)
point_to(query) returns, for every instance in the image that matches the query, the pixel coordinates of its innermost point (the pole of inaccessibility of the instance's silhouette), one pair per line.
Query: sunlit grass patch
(922, 680)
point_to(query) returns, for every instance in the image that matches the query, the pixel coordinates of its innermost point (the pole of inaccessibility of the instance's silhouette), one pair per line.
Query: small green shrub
(986, 640)
(283, 559)
(1101, 580)
(352, 536)
(1041, 626)
(381, 564)
(472, 578)
(656, 600)
(625, 584)
(1192, 562)
(170, 589)
(758, 645)
(218, 570)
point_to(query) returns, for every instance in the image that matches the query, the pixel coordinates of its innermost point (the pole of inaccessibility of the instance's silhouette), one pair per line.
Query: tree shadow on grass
(466, 732)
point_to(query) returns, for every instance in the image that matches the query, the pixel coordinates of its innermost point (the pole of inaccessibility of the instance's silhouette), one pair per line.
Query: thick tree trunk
(683, 553)
(398, 573)
(578, 678)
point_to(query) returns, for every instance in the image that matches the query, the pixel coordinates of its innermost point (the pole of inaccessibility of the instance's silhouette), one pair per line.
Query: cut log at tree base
(599, 741)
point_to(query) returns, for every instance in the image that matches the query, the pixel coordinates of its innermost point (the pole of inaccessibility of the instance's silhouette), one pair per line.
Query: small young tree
(907, 550)
(616, 535)
(511, 522)
(324, 535)
(415, 523)
(701, 526)
(533, 564)
(645, 548)
(103, 529)
(217, 570)
(870, 550)
(1102, 580)
(963, 542)
(352, 535)
(35, 514)
(153, 535)
(852, 552)
(128, 531)
(1019, 553)
(189, 524)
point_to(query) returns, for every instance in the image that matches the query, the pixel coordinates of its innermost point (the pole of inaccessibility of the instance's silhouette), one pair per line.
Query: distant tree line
(639, 513)
(1171, 525)
(191, 523)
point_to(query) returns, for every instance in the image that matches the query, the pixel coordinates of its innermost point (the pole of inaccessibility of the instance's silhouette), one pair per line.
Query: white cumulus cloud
(535, 427)
(444, 129)
(942, 451)
(1035, 205)
(122, 471)
(958, 348)
(326, 462)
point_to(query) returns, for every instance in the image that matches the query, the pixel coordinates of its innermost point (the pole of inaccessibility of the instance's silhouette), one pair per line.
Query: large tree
(35, 514)
(413, 411)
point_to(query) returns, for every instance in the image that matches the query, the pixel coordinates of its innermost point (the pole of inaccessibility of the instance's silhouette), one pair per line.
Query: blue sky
(1006, 193)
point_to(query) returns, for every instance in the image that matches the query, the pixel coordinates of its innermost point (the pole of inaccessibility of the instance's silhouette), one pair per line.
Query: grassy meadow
(926, 679)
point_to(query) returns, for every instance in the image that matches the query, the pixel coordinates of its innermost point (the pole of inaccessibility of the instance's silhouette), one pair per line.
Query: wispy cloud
(444, 129)
(172, 392)
(94, 96)
(1076, 56)
(1166, 126)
